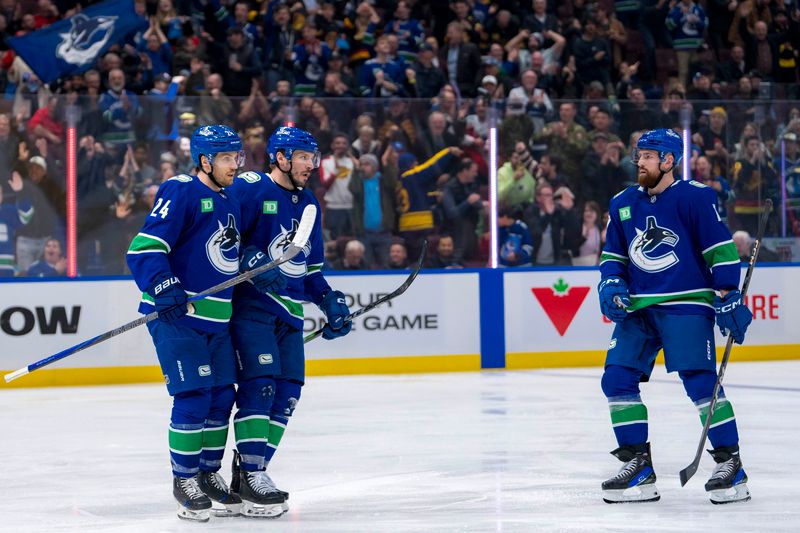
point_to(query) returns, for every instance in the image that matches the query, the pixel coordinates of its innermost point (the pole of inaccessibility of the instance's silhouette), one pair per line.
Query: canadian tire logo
(561, 303)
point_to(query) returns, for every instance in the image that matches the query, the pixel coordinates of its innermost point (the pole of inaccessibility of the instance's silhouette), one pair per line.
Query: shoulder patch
(250, 176)
(184, 178)
(698, 184)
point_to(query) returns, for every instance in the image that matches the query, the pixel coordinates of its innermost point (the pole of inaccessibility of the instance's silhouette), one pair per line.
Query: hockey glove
(608, 289)
(168, 297)
(732, 315)
(269, 281)
(336, 311)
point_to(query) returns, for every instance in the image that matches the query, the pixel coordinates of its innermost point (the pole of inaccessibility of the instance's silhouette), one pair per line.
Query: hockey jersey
(270, 217)
(11, 219)
(673, 249)
(192, 233)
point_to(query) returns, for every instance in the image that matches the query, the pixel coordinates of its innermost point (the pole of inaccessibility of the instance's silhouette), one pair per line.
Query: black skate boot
(636, 480)
(728, 483)
(193, 504)
(224, 502)
(260, 498)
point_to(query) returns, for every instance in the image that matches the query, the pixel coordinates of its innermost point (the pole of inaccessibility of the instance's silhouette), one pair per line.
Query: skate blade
(636, 494)
(737, 493)
(221, 510)
(254, 510)
(194, 516)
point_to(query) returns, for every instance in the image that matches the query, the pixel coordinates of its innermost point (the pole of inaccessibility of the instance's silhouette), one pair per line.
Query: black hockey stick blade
(295, 247)
(687, 473)
(372, 305)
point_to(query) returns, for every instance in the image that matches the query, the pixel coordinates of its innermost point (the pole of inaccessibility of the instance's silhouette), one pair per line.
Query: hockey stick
(372, 305)
(295, 247)
(687, 473)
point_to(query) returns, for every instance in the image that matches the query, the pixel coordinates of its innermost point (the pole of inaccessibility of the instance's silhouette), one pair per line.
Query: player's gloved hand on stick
(732, 315)
(168, 297)
(608, 289)
(336, 311)
(268, 281)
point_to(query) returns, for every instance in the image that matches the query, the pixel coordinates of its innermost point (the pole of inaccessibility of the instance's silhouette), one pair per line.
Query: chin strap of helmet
(211, 174)
(289, 173)
(661, 173)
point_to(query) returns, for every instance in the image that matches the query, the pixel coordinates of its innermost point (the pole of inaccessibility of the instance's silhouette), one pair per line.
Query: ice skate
(728, 483)
(260, 498)
(224, 502)
(636, 480)
(193, 504)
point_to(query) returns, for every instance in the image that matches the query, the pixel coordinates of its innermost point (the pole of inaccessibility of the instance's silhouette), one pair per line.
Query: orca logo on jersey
(222, 248)
(293, 269)
(648, 242)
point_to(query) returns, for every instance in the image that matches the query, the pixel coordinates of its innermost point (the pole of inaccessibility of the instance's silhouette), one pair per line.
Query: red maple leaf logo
(561, 303)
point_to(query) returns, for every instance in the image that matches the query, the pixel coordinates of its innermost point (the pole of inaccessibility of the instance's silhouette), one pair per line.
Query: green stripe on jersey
(251, 427)
(723, 412)
(186, 442)
(724, 252)
(294, 307)
(625, 413)
(613, 257)
(147, 243)
(699, 297)
(215, 310)
(215, 437)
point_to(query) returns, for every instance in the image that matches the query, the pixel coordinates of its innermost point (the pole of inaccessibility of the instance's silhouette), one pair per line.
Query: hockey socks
(628, 418)
(699, 386)
(215, 429)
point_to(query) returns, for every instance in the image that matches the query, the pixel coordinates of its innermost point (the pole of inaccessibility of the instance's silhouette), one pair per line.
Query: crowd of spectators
(401, 96)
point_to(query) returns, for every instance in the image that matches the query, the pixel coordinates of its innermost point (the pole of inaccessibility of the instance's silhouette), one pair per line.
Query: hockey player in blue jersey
(668, 267)
(190, 242)
(267, 330)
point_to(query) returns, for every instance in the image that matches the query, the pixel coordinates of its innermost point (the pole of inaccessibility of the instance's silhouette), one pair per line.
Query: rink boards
(446, 321)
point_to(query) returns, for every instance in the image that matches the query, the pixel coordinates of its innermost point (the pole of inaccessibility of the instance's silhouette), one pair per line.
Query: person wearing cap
(788, 146)
(602, 174)
(159, 109)
(374, 212)
(47, 203)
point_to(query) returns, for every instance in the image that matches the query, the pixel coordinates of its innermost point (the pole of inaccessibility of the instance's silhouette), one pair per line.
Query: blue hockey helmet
(289, 139)
(664, 141)
(211, 140)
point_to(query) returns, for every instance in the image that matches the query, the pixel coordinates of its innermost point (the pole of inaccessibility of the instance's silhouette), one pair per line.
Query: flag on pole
(73, 45)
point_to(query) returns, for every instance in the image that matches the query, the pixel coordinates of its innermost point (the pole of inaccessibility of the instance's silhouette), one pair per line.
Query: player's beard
(298, 180)
(648, 179)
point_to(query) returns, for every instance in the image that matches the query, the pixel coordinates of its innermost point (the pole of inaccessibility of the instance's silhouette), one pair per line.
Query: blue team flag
(73, 45)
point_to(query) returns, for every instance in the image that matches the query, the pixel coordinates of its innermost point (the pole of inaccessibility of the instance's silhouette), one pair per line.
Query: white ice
(490, 451)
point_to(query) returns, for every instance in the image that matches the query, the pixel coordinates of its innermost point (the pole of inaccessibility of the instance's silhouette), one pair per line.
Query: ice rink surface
(492, 451)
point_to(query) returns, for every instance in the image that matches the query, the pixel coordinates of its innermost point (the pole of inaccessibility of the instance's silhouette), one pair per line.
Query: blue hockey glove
(168, 297)
(732, 315)
(335, 309)
(269, 281)
(607, 290)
